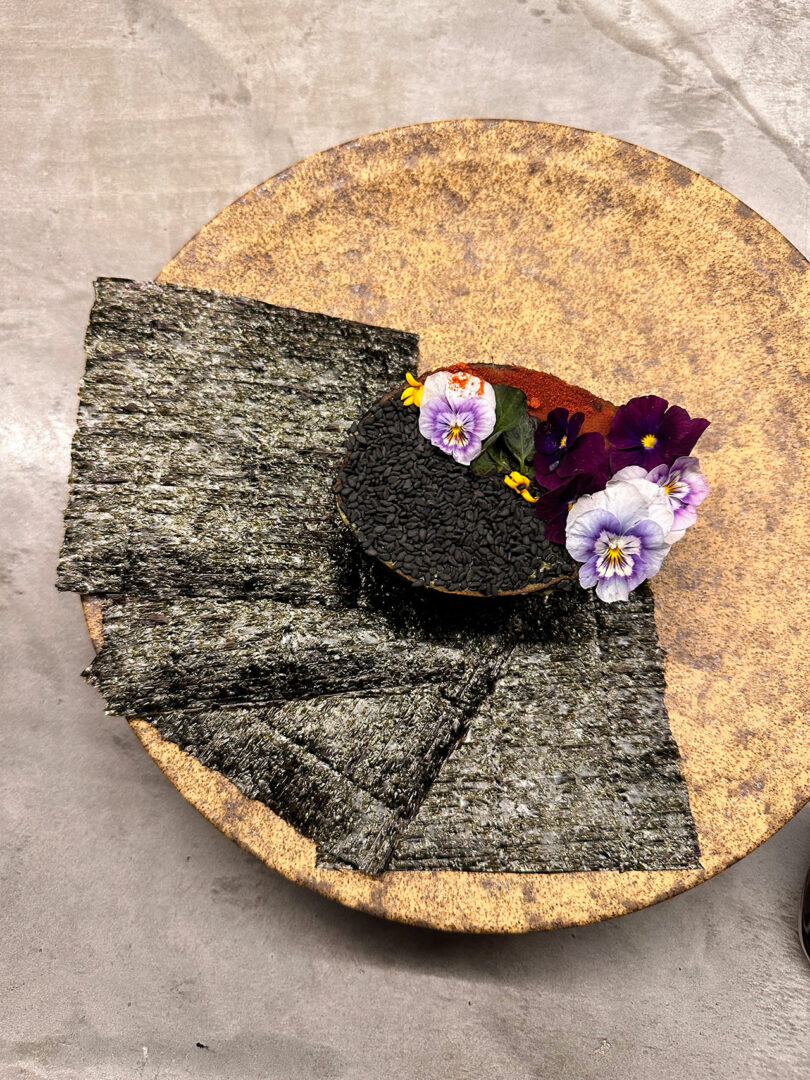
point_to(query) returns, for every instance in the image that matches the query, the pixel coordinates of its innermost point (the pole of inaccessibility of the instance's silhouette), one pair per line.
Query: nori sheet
(209, 430)
(569, 764)
(339, 719)
(256, 635)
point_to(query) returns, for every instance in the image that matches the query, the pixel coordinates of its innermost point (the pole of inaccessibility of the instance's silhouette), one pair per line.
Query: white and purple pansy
(683, 484)
(620, 535)
(456, 413)
(685, 487)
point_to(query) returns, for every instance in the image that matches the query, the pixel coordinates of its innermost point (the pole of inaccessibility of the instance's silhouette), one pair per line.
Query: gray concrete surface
(130, 930)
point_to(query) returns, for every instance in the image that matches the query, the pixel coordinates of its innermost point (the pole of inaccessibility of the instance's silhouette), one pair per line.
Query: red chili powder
(545, 392)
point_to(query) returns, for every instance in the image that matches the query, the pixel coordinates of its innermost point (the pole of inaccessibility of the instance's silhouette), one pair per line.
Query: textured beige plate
(617, 270)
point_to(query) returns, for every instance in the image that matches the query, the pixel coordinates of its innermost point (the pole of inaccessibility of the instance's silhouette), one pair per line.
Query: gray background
(131, 929)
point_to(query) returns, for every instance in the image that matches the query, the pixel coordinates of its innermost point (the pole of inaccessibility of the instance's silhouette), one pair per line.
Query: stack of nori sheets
(243, 622)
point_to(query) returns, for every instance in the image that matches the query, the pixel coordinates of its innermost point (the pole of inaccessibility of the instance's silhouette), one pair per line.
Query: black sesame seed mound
(434, 521)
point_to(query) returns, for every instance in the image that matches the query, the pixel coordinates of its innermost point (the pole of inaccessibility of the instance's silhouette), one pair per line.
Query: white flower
(619, 535)
(457, 386)
(657, 497)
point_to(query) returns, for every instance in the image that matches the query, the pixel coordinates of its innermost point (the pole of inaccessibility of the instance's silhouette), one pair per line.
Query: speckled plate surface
(618, 270)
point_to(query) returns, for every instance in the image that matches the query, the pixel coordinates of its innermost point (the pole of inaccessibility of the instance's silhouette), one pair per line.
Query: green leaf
(493, 459)
(510, 406)
(520, 440)
(484, 464)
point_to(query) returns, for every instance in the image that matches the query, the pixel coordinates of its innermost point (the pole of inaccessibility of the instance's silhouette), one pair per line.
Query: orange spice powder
(545, 392)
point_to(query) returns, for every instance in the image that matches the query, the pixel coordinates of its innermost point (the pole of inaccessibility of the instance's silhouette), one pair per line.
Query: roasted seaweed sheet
(339, 719)
(569, 764)
(209, 430)
(243, 621)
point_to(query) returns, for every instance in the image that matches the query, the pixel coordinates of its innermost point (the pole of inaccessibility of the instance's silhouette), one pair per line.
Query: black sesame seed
(411, 505)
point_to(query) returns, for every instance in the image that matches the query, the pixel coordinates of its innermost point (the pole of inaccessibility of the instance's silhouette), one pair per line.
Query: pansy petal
(587, 455)
(554, 527)
(463, 386)
(575, 422)
(630, 472)
(659, 473)
(435, 387)
(654, 547)
(544, 442)
(557, 421)
(585, 503)
(477, 416)
(581, 533)
(628, 503)
(684, 516)
(435, 418)
(634, 455)
(638, 417)
(679, 431)
(613, 589)
(465, 454)
(588, 574)
(689, 470)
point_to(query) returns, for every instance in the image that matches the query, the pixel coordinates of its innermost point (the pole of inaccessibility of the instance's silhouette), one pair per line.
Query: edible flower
(457, 386)
(457, 415)
(562, 452)
(620, 537)
(648, 431)
(552, 507)
(683, 484)
(520, 483)
(412, 394)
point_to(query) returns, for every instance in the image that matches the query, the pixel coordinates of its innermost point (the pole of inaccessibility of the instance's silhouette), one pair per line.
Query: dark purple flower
(647, 431)
(552, 508)
(561, 452)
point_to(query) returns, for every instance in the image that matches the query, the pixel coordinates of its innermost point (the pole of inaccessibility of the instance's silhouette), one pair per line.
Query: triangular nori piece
(569, 764)
(339, 719)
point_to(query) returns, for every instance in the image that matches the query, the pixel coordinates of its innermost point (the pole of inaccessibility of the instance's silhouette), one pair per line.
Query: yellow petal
(527, 495)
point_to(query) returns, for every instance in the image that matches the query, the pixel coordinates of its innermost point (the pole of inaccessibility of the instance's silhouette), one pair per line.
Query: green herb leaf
(520, 440)
(493, 459)
(510, 406)
(484, 464)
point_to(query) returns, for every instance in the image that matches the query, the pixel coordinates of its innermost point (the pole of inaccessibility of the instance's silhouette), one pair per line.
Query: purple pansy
(561, 452)
(683, 484)
(620, 537)
(458, 427)
(552, 508)
(647, 431)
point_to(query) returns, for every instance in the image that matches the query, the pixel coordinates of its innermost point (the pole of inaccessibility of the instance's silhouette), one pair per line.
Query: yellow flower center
(457, 433)
(649, 441)
(614, 555)
(563, 441)
(670, 487)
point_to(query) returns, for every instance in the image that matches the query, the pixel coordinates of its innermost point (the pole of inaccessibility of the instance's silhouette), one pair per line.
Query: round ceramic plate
(615, 269)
